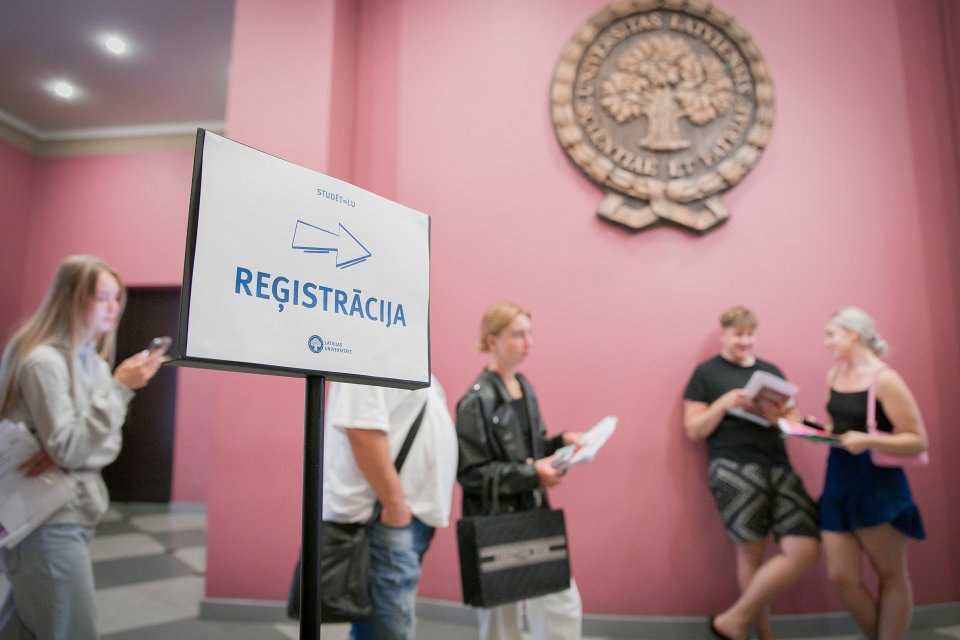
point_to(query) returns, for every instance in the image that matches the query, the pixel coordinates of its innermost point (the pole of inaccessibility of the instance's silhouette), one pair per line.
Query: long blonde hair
(61, 319)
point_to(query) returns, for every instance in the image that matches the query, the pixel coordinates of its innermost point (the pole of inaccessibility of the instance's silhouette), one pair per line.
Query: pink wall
(280, 101)
(853, 202)
(16, 178)
(131, 209)
(835, 213)
(935, 149)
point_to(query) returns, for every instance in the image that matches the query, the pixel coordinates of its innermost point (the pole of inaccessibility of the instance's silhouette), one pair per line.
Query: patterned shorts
(754, 500)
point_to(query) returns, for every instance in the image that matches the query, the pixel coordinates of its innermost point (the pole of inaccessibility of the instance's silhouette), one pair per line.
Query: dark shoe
(716, 632)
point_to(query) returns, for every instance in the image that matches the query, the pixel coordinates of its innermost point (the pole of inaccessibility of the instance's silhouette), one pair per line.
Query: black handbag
(344, 570)
(345, 560)
(505, 557)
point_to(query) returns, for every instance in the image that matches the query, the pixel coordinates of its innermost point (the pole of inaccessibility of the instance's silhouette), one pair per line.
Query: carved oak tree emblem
(666, 104)
(663, 79)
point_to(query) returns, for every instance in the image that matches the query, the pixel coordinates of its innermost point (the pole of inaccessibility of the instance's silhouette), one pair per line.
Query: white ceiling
(173, 79)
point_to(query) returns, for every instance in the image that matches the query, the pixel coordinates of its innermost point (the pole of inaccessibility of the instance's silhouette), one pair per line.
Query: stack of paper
(26, 503)
(592, 441)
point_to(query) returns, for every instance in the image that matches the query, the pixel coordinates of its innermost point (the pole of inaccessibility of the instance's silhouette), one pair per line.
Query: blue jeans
(395, 556)
(51, 586)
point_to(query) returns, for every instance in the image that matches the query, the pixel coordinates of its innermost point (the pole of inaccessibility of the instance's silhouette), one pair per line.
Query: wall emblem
(665, 104)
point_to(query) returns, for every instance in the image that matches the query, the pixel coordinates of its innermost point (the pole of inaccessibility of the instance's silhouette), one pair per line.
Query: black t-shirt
(735, 438)
(520, 408)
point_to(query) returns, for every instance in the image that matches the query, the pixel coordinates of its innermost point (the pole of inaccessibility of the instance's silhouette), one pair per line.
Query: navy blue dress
(857, 493)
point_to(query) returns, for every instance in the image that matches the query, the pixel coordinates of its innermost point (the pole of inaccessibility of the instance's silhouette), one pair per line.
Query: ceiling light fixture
(115, 45)
(63, 89)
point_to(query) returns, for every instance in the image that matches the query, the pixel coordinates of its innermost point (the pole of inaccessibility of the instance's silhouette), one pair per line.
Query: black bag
(344, 571)
(345, 560)
(505, 557)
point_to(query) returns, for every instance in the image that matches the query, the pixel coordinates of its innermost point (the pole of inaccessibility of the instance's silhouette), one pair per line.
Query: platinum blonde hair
(859, 321)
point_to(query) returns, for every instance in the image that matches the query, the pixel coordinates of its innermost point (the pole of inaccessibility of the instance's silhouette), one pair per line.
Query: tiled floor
(149, 565)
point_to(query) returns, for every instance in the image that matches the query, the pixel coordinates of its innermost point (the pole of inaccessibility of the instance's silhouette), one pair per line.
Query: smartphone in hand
(159, 344)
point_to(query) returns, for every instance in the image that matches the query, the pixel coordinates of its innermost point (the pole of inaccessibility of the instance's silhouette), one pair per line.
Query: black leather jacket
(492, 444)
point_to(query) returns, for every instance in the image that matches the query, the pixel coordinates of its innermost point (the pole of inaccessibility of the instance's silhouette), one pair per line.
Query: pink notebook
(800, 430)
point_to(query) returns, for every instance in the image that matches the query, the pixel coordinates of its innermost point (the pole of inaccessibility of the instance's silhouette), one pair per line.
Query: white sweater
(78, 420)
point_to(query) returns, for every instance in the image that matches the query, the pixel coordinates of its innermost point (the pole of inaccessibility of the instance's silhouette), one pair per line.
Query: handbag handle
(887, 459)
(490, 491)
(491, 499)
(872, 403)
(490, 494)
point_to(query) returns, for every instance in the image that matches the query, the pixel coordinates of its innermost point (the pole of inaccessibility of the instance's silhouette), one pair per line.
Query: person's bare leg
(844, 560)
(749, 559)
(797, 554)
(886, 548)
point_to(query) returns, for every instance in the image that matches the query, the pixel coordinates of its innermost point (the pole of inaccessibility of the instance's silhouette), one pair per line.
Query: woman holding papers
(502, 403)
(56, 380)
(755, 487)
(865, 508)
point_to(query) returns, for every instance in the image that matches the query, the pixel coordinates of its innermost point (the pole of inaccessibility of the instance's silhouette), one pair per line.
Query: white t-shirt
(429, 471)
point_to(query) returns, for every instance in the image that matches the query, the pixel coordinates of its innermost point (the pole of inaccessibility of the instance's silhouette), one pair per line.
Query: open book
(26, 503)
(591, 443)
(764, 386)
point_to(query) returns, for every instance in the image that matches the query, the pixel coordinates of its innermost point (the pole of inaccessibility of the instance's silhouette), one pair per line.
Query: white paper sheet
(593, 440)
(25, 503)
(765, 385)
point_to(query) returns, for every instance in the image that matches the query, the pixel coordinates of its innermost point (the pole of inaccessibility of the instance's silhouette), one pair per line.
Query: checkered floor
(149, 563)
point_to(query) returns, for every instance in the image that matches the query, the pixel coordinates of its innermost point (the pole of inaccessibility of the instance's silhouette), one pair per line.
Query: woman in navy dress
(866, 509)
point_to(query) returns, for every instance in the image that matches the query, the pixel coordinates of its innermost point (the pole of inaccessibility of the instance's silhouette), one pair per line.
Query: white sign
(299, 273)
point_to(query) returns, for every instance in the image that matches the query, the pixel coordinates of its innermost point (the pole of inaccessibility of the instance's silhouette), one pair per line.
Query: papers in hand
(764, 386)
(799, 430)
(25, 503)
(591, 442)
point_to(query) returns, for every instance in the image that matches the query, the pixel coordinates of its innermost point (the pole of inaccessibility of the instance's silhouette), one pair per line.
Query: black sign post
(312, 514)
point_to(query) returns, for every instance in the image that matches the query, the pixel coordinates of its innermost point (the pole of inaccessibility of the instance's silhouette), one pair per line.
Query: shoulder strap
(872, 402)
(408, 441)
(489, 397)
(401, 457)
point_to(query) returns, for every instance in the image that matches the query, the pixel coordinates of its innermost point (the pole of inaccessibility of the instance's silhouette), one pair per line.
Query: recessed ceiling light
(115, 45)
(63, 89)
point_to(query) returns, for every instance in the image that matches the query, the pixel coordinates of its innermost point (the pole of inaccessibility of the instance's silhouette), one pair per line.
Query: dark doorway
(143, 472)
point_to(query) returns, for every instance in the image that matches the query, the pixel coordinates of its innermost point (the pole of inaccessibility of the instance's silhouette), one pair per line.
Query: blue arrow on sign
(312, 239)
